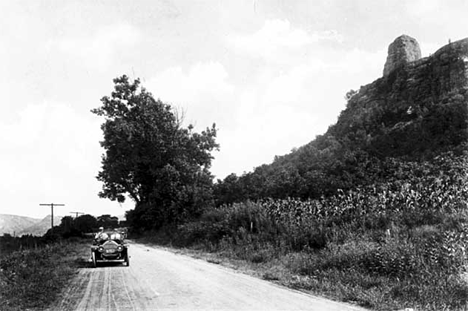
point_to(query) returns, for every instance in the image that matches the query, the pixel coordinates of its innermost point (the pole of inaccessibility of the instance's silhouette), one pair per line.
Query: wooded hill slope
(417, 110)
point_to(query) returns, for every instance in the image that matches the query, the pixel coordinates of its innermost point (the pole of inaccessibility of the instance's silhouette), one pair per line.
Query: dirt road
(161, 280)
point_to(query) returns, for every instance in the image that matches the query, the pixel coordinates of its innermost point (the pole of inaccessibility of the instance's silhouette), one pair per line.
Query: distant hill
(21, 225)
(13, 224)
(40, 227)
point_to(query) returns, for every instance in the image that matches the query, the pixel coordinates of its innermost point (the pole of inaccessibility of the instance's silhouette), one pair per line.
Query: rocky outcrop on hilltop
(417, 106)
(402, 51)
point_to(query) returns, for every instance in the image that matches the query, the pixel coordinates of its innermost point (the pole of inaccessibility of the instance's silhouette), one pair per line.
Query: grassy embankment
(397, 244)
(32, 278)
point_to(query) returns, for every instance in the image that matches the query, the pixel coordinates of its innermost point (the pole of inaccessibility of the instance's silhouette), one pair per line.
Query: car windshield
(111, 235)
(115, 236)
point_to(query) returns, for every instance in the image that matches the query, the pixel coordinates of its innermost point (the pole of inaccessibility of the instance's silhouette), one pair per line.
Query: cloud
(100, 49)
(50, 153)
(47, 140)
(262, 134)
(420, 8)
(284, 109)
(277, 38)
(202, 91)
(291, 87)
(437, 21)
(316, 81)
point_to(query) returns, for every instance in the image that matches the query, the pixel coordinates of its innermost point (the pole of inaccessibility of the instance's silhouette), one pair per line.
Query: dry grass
(32, 279)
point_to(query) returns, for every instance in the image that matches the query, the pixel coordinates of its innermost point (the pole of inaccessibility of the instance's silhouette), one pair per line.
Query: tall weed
(398, 243)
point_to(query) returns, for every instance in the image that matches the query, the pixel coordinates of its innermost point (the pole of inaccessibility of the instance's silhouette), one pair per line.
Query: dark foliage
(403, 238)
(362, 148)
(150, 157)
(9, 244)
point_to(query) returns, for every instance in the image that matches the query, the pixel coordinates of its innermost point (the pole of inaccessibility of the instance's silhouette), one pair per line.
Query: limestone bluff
(391, 129)
(418, 107)
(403, 50)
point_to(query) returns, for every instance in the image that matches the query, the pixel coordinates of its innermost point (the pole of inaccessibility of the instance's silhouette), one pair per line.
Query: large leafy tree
(86, 223)
(151, 158)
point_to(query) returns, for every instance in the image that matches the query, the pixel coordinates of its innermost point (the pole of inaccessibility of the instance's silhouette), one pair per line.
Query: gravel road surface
(161, 280)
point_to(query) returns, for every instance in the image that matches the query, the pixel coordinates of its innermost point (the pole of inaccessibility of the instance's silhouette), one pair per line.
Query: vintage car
(109, 247)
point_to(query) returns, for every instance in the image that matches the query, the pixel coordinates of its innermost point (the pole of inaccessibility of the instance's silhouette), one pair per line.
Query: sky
(272, 75)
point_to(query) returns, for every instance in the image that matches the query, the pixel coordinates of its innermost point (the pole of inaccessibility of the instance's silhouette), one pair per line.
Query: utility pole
(52, 212)
(76, 214)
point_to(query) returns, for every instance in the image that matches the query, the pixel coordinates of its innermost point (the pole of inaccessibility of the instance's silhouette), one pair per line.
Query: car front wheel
(93, 257)
(127, 259)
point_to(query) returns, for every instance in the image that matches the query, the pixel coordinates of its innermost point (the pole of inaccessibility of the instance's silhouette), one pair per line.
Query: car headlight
(101, 249)
(120, 248)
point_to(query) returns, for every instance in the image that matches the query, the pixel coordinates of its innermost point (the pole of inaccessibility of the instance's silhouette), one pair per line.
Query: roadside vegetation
(388, 246)
(10, 244)
(32, 278)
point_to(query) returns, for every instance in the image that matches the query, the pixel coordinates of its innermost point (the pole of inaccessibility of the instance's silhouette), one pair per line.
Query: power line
(52, 212)
(76, 214)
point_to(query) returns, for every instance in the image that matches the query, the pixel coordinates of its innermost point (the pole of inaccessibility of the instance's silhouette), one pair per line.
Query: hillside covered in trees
(417, 110)
(372, 212)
